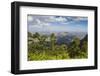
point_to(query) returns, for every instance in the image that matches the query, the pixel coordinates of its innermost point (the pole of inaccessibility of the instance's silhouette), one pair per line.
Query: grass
(47, 55)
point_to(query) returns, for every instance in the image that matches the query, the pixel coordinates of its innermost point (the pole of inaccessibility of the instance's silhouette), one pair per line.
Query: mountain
(65, 37)
(68, 38)
(85, 38)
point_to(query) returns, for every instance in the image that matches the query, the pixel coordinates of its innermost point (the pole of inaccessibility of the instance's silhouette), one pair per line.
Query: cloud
(70, 19)
(30, 18)
(81, 18)
(35, 26)
(77, 18)
(56, 19)
(61, 19)
(52, 23)
(33, 20)
(38, 23)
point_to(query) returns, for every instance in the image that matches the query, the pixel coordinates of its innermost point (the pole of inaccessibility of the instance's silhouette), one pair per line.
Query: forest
(44, 47)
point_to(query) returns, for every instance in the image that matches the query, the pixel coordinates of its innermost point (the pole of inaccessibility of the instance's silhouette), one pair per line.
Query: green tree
(74, 49)
(84, 46)
(53, 40)
(36, 35)
(30, 38)
(63, 47)
(29, 34)
(84, 49)
(42, 39)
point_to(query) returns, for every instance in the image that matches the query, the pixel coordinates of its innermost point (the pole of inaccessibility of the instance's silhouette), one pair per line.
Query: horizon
(58, 32)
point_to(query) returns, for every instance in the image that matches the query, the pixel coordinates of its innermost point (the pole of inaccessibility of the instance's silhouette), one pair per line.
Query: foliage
(74, 50)
(53, 39)
(41, 49)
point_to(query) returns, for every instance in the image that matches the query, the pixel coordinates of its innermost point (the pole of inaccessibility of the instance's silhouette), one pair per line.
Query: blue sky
(43, 23)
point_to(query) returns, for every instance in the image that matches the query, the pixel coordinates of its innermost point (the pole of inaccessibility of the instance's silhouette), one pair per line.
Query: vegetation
(42, 47)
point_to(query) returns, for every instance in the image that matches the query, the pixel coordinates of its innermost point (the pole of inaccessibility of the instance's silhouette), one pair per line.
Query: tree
(74, 49)
(36, 35)
(84, 46)
(42, 39)
(30, 38)
(29, 34)
(63, 47)
(84, 49)
(53, 39)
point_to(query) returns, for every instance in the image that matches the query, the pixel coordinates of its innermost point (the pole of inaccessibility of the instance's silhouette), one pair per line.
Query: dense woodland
(42, 47)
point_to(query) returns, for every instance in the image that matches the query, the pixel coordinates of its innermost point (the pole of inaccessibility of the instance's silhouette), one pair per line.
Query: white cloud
(44, 22)
(39, 22)
(57, 19)
(61, 19)
(30, 18)
(35, 26)
(82, 18)
(45, 19)
(78, 18)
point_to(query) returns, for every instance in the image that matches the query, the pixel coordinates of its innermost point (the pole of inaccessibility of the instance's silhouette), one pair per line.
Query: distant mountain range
(69, 37)
(65, 37)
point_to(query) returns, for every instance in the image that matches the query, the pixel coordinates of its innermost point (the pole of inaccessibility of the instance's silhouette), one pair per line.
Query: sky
(48, 23)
